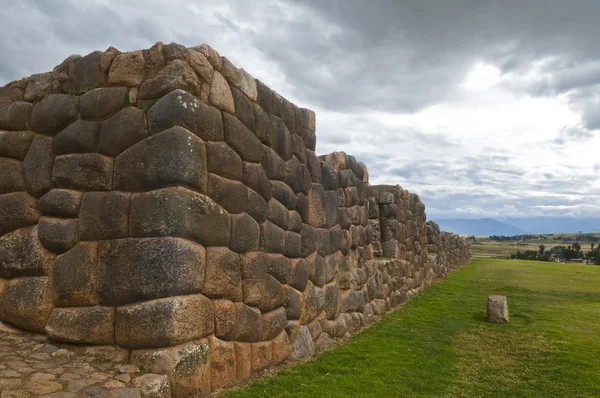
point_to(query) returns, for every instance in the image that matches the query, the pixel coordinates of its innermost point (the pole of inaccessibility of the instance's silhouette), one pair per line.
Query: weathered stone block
(262, 125)
(187, 365)
(201, 65)
(254, 177)
(245, 233)
(316, 207)
(174, 156)
(310, 304)
(260, 289)
(54, 113)
(293, 175)
(332, 301)
(176, 75)
(127, 69)
(274, 165)
(261, 355)
(21, 254)
(81, 136)
(102, 103)
(256, 207)
(281, 349)
(180, 108)
(497, 309)
(293, 302)
(122, 130)
(37, 166)
(278, 267)
(143, 269)
(223, 274)
(281, 139)
(58, 234)
(244, 109)
(232, 195)
(178, 211)
(278, 214)
(61, 203)
(223, 363)
(15, 116)
(164, 322)
(223, 160)
(28, 303)
(272, 238)
(11, 176)
(220, 94)
(104, 215)
(86, 172)
(86, 325)
(284, 194)
(298, 274)
(38, 86)
(75, 276)
(273, 323)
(302, 346)
(15, 144)
(90, 70)
(241, 139)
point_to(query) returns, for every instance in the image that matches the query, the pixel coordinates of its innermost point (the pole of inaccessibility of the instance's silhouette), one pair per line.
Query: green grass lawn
(440, 345)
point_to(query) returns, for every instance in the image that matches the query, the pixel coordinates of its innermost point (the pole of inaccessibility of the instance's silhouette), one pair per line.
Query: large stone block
(37, 166)
(178, 211)
(281, 139)
(15, 144)
(58, 234)
(310, 304)
(239, 78)
(143, 269)
(273, 164)
(262, 124)
(241, 139)
(174, 156)
(293, 176)
(237, 321)
(27, 303)
(332, 301)
(223, 363)
(201, 65)
(61, 203)
(75, 276)
(22, 254)
(261, 290)
(91, 70)
(80, 136)
(256, 207)
(261, 355)
(273, 323)
(317, 199)
(164, 322)
(284, 194)
(243, 356)
(223, 278)
(220, 94)
(15, 116)
(281, 349)
(176, 75)
(86, 325)
(11, 176)
(232, 195)
(245, 233)
(102, 103)
(272, 238)
(223, 160)
(187, 365)
(315, 266)
(244, 109)
(127, 69)
(279, 214)
(254, 177)
(104, 215)
(86, 172)
(279, 266)
(122, 130)
(302, 346)
(54, 113)
(180, 108)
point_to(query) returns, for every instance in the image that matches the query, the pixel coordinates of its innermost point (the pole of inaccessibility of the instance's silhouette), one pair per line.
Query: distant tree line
(564, 253)
(502, 238)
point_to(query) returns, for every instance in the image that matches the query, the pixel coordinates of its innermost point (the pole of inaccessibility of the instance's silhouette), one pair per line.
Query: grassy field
(486, 248)
(440, 345)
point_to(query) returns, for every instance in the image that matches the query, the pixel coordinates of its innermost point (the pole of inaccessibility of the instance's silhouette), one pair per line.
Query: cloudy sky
(483, 108)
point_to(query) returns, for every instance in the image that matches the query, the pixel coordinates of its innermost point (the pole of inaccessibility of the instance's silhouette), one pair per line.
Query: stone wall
(166, 202)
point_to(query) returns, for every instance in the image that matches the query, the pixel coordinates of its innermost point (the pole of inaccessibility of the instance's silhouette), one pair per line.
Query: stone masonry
(166, 202)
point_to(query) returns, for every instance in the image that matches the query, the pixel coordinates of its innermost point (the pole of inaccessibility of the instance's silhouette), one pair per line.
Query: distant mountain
(554, 225)
(478, 227)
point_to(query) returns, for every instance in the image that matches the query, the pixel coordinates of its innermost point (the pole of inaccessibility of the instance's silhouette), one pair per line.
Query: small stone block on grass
(497, 309)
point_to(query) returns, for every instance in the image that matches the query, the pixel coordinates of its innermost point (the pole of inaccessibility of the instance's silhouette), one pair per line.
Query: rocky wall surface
(167, 202)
